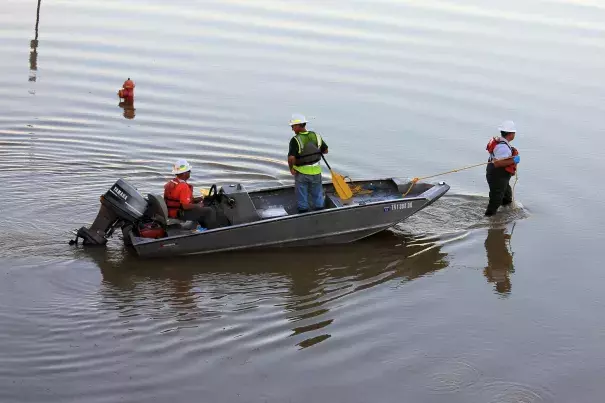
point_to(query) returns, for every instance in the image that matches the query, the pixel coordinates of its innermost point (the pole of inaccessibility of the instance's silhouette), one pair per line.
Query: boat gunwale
(281, 187)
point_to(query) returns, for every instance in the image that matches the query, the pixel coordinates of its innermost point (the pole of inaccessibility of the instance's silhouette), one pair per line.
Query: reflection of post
(499, 260)
(33, 45)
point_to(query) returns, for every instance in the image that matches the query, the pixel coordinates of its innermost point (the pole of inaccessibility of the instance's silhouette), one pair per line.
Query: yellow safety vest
(302, 139)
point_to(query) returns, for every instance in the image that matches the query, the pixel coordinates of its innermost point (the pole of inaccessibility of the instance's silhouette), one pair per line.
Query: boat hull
(345, 224)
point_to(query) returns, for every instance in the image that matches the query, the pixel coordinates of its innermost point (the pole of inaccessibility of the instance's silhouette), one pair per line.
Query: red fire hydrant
(127, 91)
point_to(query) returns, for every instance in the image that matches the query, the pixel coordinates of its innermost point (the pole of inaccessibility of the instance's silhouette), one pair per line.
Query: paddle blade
(341, 186)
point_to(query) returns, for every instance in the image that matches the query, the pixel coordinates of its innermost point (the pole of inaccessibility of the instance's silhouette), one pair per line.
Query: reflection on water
(305, 286)
(129, 110)
(499, 259)
(33, 55)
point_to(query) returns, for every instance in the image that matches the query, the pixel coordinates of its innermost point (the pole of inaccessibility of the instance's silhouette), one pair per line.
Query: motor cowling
(122, 204)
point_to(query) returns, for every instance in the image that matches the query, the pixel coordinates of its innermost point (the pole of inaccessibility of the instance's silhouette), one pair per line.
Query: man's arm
(324, 146)
(501, 156)
(292, 154)
(504, 162)
(291, 161)
(186, 197)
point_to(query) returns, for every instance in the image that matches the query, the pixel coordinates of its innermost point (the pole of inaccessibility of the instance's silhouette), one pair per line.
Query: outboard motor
(120, 205)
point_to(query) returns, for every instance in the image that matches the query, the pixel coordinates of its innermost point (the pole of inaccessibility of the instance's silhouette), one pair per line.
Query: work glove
(516, 159)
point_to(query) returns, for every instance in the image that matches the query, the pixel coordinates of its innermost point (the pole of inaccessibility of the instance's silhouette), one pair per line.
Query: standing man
(503, 164)
(304, 154)
(178, 195)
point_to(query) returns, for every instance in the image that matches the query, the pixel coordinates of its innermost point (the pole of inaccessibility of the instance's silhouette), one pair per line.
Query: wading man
(503, 160)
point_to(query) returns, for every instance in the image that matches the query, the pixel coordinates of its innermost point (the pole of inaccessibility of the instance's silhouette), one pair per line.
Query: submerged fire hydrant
(127, 91)
(126, 94)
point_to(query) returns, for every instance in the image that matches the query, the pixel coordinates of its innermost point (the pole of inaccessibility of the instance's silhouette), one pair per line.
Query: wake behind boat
(261, 218)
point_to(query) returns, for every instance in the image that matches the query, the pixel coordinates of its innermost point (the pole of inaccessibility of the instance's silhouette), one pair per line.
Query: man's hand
(291, 161)
(198, 199)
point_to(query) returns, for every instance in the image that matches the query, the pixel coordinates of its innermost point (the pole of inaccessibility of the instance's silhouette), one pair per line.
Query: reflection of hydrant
(127, 91)
(129, 111)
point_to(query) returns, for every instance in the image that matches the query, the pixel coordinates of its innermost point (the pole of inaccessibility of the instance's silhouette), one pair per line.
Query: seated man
(181, 204)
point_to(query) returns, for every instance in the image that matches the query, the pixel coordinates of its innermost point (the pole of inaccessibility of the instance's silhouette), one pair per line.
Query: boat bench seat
(175, 222)
(272, 212)
(175, 226)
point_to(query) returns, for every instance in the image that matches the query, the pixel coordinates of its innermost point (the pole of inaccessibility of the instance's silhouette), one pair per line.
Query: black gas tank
(125, 201)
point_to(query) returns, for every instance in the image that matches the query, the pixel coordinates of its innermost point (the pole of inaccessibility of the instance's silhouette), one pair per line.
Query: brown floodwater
(448, 306)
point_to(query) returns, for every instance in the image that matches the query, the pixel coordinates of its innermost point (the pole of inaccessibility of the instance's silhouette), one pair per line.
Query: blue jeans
(305, 184)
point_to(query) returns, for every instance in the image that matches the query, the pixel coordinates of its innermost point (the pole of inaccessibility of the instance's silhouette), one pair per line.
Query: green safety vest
(308, 143)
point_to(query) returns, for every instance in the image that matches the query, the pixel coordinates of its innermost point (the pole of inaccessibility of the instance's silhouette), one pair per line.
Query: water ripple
(509, 392)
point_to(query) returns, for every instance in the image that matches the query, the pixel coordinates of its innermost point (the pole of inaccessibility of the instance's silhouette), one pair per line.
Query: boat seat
(272, 212)
(178, 227)
(158, 212)
(175, 222)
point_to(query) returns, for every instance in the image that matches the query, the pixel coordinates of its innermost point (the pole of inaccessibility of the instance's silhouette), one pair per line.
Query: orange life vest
(172, 196)
(491, 146)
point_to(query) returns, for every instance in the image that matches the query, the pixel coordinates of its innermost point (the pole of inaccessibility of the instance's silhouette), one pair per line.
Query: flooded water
(447, 307)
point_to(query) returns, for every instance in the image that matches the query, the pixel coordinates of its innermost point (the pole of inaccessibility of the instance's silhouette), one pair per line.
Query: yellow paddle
(340, 185)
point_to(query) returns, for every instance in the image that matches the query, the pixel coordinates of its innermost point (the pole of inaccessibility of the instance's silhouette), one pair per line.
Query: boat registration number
(398, 206)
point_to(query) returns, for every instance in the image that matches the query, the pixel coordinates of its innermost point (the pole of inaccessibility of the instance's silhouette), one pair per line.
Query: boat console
(235, 202)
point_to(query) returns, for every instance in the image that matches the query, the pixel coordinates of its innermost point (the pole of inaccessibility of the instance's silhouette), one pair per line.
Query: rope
(515, 184)
(457, 170)
(357, 189)
(439, 174)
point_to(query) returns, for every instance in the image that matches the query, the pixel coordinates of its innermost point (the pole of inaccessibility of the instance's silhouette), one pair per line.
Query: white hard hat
(180, 167)
(508, 126)
(297, 119)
